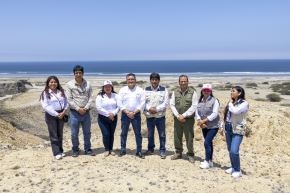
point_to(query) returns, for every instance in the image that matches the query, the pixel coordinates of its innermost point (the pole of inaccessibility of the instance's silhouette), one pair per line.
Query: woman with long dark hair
(208, 120)
(106, 104)
(54, 103)
(235, 127)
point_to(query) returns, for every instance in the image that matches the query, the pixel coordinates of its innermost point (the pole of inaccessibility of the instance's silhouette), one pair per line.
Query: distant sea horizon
(257, 67)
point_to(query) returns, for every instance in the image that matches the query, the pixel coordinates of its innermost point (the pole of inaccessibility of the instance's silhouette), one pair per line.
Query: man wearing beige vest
(156, 101)
(183, 104)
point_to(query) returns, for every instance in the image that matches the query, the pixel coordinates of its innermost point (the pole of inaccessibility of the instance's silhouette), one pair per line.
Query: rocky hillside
(13, 87)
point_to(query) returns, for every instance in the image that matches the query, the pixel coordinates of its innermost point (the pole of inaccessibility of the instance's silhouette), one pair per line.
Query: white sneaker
(237, 174)
(229, 171)
(63, 155)
(58, 157)
(204, 165)
(210, 164)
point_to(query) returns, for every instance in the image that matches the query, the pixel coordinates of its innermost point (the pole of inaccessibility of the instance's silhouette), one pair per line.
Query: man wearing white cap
(131, 102)
(107, 108)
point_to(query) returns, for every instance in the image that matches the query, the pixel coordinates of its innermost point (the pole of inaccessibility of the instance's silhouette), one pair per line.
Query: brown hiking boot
(176, 156)
(191, 159)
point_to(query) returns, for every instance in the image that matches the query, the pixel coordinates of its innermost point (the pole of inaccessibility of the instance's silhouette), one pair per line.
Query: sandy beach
(27, 164)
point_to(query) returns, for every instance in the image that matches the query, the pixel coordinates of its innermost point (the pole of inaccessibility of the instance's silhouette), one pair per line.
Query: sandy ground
(27, 164)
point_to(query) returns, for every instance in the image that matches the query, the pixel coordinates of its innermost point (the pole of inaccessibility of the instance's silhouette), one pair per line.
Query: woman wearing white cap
(106, 104)
(208, 120)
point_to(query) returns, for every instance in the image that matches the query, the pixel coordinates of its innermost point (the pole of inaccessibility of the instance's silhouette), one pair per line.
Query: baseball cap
(206, 87)
(107, 82)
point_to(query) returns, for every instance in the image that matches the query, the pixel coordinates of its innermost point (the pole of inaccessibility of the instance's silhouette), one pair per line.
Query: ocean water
(189, 67)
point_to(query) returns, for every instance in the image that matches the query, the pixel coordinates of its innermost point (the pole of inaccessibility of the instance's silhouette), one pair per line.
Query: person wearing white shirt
(54, 102)
(131, 102)
(235, 127)
(208, 120)
(156, 101)
(107, 108)
(183, 104)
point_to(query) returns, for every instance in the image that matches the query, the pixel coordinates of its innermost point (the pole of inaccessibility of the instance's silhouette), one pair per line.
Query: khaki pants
(187, 129)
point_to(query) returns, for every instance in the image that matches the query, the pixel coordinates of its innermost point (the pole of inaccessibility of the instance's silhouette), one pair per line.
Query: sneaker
(190, 159)
(58, 157)
(112, 153)
(106, 153)
(204, 165)
(176, 156)
(237, 174)
(162, 155)
(75, 153)
(210, 164)
(149, 152)
(229, 171)
(62, 154)
(90, 152)
(140, 155)
(122, 153)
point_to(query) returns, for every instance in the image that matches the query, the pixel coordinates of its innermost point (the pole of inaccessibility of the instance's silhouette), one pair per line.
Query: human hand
(82, 111)
(111, 116)
(153, 110)
(181, 118)
(131, 115)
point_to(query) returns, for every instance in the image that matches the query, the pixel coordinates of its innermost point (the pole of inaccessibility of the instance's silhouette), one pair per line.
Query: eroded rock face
(13, 87)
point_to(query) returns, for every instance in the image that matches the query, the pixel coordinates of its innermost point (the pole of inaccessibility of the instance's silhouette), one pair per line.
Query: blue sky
(69, 30)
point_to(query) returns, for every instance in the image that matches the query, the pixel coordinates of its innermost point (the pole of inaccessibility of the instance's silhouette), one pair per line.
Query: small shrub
(286, 83)
(257, 93)
(251, 85)
(123, 82)
(273, 97)
(283, 88)
(265, 82)
(199, 85)
(261, 99)
(285, 105)
(115, 83)
(141, 82)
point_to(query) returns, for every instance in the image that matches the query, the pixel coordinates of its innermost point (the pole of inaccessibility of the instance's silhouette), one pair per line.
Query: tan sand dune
(27, 164)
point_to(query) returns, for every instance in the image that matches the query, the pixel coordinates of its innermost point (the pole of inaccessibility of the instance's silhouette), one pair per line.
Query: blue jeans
(85, 120)
(160, 124)
(136, 124)
(108, 128)
(208, 135)
(233, 142)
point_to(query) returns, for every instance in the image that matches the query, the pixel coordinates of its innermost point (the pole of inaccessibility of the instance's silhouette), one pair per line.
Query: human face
(206, 93)
(78, 75)
(131, 82)
(154, 82)
(108, 89)
(183, 83)
(52, 84)
(235, 94)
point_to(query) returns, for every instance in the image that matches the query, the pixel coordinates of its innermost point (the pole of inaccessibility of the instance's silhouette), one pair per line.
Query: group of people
(131, 101)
